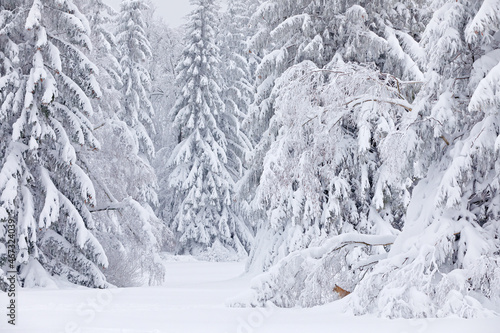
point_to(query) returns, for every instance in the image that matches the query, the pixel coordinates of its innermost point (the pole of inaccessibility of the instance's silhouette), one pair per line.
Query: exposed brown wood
(342, 292)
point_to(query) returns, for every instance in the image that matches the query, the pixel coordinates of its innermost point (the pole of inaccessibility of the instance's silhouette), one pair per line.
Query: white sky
(172, 11)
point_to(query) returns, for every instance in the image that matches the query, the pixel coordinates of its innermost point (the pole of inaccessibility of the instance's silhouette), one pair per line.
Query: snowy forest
(336, 147)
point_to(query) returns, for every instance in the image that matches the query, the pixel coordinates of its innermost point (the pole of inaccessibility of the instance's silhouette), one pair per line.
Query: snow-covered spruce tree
(167, 49)
(201, 178)
(446, 261)
(130, 232)
(135, 50)
(291, 32)
(237, 89)
(45, 86)
(323, 177)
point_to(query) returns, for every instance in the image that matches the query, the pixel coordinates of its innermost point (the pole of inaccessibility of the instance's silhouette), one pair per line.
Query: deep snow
(193, 299)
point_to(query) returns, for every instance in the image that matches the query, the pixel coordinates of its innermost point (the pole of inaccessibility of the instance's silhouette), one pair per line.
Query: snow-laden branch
(365, 99)
(338, 242)
(109, 206)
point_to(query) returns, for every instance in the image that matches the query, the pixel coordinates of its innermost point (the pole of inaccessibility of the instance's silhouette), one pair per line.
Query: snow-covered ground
(193, 299)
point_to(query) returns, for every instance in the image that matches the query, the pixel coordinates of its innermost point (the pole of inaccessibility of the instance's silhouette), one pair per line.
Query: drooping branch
(338, 242)
(110, 206)
(359, 101)
(344, 244)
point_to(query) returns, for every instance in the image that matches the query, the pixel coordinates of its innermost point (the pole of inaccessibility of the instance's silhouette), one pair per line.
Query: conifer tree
(237, 89)
(201, 177)
(324, 33)
(130, 232)
(324, 184)
(135, 50)
(45, 89)
(168, 44)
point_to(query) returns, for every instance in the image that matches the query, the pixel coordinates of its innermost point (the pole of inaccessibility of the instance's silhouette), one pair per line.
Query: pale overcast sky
(172, 11)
